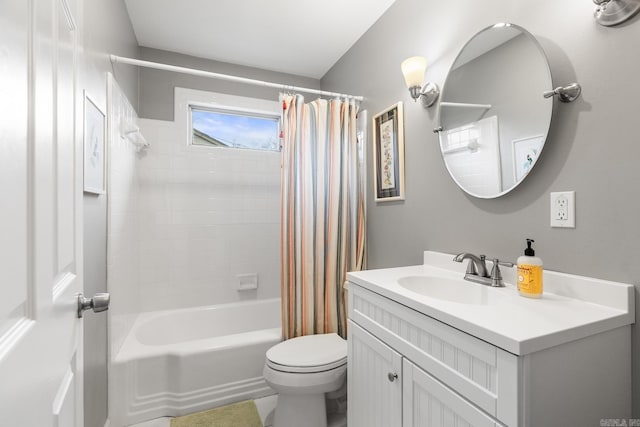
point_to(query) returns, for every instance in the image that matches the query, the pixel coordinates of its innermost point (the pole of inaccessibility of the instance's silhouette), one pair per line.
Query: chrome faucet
(476, 266)
(477, 269)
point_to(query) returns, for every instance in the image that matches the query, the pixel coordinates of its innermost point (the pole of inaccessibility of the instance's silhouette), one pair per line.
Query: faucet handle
(496, 261)
(496, 274)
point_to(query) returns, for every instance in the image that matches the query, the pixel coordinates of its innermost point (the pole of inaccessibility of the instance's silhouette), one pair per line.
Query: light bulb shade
(413, 69)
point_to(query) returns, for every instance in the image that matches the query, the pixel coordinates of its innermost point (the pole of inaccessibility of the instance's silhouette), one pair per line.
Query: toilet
(302, 370)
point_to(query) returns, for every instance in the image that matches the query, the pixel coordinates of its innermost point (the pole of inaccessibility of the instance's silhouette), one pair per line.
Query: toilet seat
(308, 354)
(307, 369)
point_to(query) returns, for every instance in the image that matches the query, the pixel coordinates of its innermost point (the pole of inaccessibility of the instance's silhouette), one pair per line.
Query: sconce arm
(565, 94)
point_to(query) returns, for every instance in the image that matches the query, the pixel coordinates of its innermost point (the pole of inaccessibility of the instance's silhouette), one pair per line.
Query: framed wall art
(388, 154)
(94, 147)
(525, 154)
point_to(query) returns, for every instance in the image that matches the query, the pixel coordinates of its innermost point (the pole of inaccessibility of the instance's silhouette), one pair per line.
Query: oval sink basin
(451, 290)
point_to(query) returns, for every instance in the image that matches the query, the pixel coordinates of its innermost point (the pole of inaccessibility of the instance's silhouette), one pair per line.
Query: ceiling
(300, 37)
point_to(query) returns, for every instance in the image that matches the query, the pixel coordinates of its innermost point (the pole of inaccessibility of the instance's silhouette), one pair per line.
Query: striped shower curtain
(323, 231)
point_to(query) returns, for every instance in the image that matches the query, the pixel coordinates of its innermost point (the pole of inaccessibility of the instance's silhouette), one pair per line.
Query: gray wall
(105, 29)
(157, 87)
(593, 145)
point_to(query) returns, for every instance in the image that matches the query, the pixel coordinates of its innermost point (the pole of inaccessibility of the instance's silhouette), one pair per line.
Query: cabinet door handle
(392, 376)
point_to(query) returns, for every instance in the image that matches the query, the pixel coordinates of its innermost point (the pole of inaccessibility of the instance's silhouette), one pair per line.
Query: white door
(40, 195)
(374, 378)
(429, 403)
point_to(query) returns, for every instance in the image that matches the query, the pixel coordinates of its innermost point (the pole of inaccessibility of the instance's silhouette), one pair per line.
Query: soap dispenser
(530, 273)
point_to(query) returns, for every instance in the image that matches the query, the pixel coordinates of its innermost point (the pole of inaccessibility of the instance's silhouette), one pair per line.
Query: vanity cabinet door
(374, 381)
(429, 403)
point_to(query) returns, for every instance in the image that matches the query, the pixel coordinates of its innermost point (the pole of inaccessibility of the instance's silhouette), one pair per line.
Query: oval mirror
(494, 119)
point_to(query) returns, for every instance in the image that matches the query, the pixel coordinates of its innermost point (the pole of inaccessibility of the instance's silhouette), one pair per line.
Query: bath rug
(243, 414)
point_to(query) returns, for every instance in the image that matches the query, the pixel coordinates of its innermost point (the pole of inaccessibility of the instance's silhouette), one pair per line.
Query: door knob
(99, 302)
(392, 376)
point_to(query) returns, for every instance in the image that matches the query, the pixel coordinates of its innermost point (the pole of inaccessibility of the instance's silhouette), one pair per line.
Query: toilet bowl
(301, 370)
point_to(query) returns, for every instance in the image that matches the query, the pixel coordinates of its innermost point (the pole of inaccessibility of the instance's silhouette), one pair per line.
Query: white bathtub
(181, 361)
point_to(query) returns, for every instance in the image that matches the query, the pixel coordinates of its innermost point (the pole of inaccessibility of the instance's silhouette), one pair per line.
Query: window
(463, 137)
(234, 129)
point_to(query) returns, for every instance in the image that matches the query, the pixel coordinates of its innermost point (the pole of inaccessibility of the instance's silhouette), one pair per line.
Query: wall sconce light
(614, 12)
(413, 70)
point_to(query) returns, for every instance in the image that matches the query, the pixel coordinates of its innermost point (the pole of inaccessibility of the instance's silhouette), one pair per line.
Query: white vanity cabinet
(387, 390)
(386, 338)
(408, 369)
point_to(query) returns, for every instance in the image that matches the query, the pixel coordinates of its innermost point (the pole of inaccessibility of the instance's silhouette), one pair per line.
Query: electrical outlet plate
(563, 209)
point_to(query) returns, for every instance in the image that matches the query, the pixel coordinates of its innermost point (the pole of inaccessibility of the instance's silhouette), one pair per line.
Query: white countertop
(572, 307)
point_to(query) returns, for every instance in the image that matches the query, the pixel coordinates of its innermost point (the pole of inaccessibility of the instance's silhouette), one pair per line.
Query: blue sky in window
(238, 130)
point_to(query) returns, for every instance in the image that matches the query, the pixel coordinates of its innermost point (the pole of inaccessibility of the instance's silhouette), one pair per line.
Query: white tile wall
(478, 172)
(122, 220)
(206, 215)
(184, 220)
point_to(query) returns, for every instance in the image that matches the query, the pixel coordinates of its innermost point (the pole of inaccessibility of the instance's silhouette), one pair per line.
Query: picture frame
(388, 154)
(94, 136)
(525, 154)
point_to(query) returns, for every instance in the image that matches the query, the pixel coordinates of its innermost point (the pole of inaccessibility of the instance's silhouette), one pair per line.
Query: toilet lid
(311, 353)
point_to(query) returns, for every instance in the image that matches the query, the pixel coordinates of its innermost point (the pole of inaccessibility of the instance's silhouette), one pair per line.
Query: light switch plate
(563, 209)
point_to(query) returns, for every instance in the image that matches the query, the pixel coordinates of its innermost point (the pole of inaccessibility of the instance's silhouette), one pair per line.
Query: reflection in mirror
(493, 115)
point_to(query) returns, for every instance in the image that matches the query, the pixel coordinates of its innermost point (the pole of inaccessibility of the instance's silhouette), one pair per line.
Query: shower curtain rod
(123, 60)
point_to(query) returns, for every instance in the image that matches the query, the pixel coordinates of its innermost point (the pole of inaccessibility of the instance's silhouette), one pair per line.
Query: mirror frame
(442, 98)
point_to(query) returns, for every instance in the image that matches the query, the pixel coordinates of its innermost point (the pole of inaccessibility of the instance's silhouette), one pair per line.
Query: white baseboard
(144, 407)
